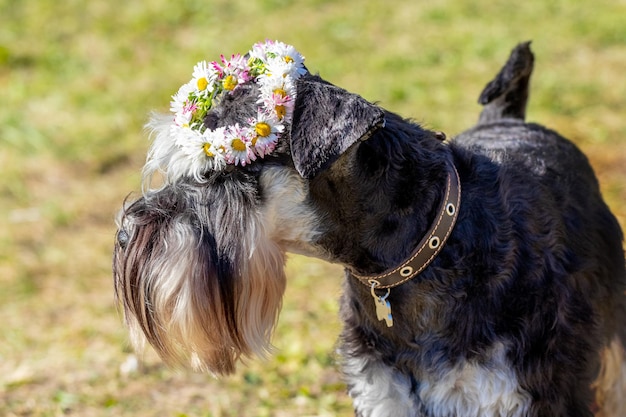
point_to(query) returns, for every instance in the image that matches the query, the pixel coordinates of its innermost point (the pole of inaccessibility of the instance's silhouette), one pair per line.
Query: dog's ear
(327, 120)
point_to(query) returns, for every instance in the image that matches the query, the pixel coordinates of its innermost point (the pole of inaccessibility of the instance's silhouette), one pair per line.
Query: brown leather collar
(429, 246)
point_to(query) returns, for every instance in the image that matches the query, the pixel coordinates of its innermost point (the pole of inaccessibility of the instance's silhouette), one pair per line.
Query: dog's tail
(506, 95)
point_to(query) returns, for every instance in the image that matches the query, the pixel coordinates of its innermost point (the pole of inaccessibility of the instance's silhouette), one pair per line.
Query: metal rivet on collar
(406, 271)
(434, 242)
(450, 209)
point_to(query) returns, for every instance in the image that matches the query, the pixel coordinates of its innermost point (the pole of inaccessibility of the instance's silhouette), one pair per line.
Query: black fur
(535, 258)
(507, 94)
(380, 207)
(327, 120)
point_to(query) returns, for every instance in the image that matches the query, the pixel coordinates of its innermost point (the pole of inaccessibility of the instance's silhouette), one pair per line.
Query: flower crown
(275, 67)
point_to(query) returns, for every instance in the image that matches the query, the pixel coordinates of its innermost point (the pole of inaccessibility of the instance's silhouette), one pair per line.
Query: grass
(77, 81)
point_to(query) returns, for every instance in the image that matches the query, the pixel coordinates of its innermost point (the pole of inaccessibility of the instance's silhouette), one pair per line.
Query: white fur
(472, 389)
(378, 390)
(287, 217)
(164, 156)
(467, 389)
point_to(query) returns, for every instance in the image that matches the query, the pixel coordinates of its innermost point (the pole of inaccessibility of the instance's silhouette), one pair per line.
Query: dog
(484, 274)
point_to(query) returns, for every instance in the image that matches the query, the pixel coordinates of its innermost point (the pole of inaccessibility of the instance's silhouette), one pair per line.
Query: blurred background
(77, 82)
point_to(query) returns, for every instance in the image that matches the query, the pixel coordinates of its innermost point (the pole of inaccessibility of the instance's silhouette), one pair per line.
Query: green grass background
(77, 81)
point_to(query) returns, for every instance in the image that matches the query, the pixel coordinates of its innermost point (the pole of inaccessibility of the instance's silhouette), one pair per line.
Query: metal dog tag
(383, 307)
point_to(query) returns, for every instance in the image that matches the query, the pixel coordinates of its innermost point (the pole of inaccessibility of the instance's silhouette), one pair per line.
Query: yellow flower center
(207, 150)
(280, 111)
(238, 145)
(280, 92)
(229, 83)
(253, 141)
(262, 129)
(288, 59)
(202, 83)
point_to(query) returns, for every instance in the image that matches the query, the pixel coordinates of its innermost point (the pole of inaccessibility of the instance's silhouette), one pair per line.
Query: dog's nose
(122, 238)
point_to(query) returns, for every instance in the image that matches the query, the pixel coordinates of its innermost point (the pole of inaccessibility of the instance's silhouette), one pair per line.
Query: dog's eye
(122, 238)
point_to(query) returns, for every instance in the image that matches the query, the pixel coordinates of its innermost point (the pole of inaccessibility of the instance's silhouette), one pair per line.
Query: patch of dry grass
(77, 80)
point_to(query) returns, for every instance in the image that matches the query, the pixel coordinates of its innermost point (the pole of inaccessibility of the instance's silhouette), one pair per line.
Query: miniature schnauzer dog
(484, 275)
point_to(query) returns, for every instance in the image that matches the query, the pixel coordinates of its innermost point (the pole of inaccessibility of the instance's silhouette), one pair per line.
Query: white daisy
(181, 98)
(279, 105)
(191, 149)
(213, 147)
(234, 72)
(269, 84)
(265, 129)
(204, 77)
(238, 146)
(203, 150)
(287, 60)
(259, 50)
